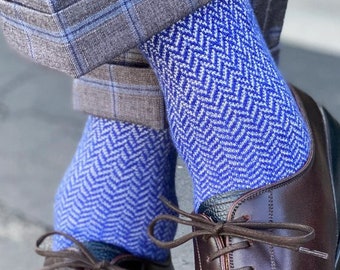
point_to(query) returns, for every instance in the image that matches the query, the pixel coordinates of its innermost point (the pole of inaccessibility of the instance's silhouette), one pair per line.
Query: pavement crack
(17, 226)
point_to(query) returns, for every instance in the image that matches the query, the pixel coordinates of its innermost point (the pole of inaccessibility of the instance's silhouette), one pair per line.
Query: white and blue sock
(111, 190)
(232, 117)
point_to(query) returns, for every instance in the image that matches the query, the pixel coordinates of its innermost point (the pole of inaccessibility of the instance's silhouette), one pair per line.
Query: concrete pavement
(313, 24)
(39, 133)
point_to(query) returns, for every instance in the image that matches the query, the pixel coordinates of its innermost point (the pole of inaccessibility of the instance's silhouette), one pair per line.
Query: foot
(79, 257)
(291, 224)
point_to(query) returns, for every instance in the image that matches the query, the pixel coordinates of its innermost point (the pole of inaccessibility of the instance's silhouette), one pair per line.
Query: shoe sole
(332, 129)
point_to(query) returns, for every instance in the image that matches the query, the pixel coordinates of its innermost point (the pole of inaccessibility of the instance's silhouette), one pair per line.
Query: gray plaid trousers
(94, 41)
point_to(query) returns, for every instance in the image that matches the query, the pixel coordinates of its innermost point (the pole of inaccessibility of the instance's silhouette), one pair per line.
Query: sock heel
(332, 128)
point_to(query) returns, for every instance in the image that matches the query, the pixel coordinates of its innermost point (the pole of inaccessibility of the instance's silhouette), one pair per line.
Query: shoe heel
(333, 141)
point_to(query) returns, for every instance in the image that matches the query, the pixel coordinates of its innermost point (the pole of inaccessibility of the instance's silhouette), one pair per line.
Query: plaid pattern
(74, 36)
(132, 93)
(126, 90)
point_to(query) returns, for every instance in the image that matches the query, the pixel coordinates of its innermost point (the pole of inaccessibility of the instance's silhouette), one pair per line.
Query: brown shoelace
(249, 231)
(82, 259)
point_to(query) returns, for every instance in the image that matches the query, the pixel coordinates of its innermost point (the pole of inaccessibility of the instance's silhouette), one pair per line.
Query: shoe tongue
(218, 206)
(103, 251)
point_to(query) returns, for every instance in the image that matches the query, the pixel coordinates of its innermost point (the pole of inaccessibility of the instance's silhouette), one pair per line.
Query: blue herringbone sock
(111, 190)
(232, 116)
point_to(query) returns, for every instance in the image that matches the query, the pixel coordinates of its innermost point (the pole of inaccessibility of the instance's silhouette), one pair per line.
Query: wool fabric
(232, 117)
(111, 190)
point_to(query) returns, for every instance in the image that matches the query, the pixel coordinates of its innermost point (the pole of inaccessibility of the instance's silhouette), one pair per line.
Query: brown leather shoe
(80, 258)
(292, 224)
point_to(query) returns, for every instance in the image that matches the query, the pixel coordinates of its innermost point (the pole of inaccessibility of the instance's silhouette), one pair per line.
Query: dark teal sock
(103, 251)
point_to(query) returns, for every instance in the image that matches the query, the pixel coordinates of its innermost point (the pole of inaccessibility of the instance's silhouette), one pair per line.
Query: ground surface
(39, 131)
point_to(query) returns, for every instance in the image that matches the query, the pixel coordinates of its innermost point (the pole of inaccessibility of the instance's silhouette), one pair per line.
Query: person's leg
(111, 189)
(110, 192)
(263, 156)
(232, 117)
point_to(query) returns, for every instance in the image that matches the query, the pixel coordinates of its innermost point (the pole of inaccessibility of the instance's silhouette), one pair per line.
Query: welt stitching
(270, 219)
(198, 254)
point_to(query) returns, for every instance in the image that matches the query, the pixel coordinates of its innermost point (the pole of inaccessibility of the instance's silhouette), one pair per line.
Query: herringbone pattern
(111, 190)
(232, 116)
